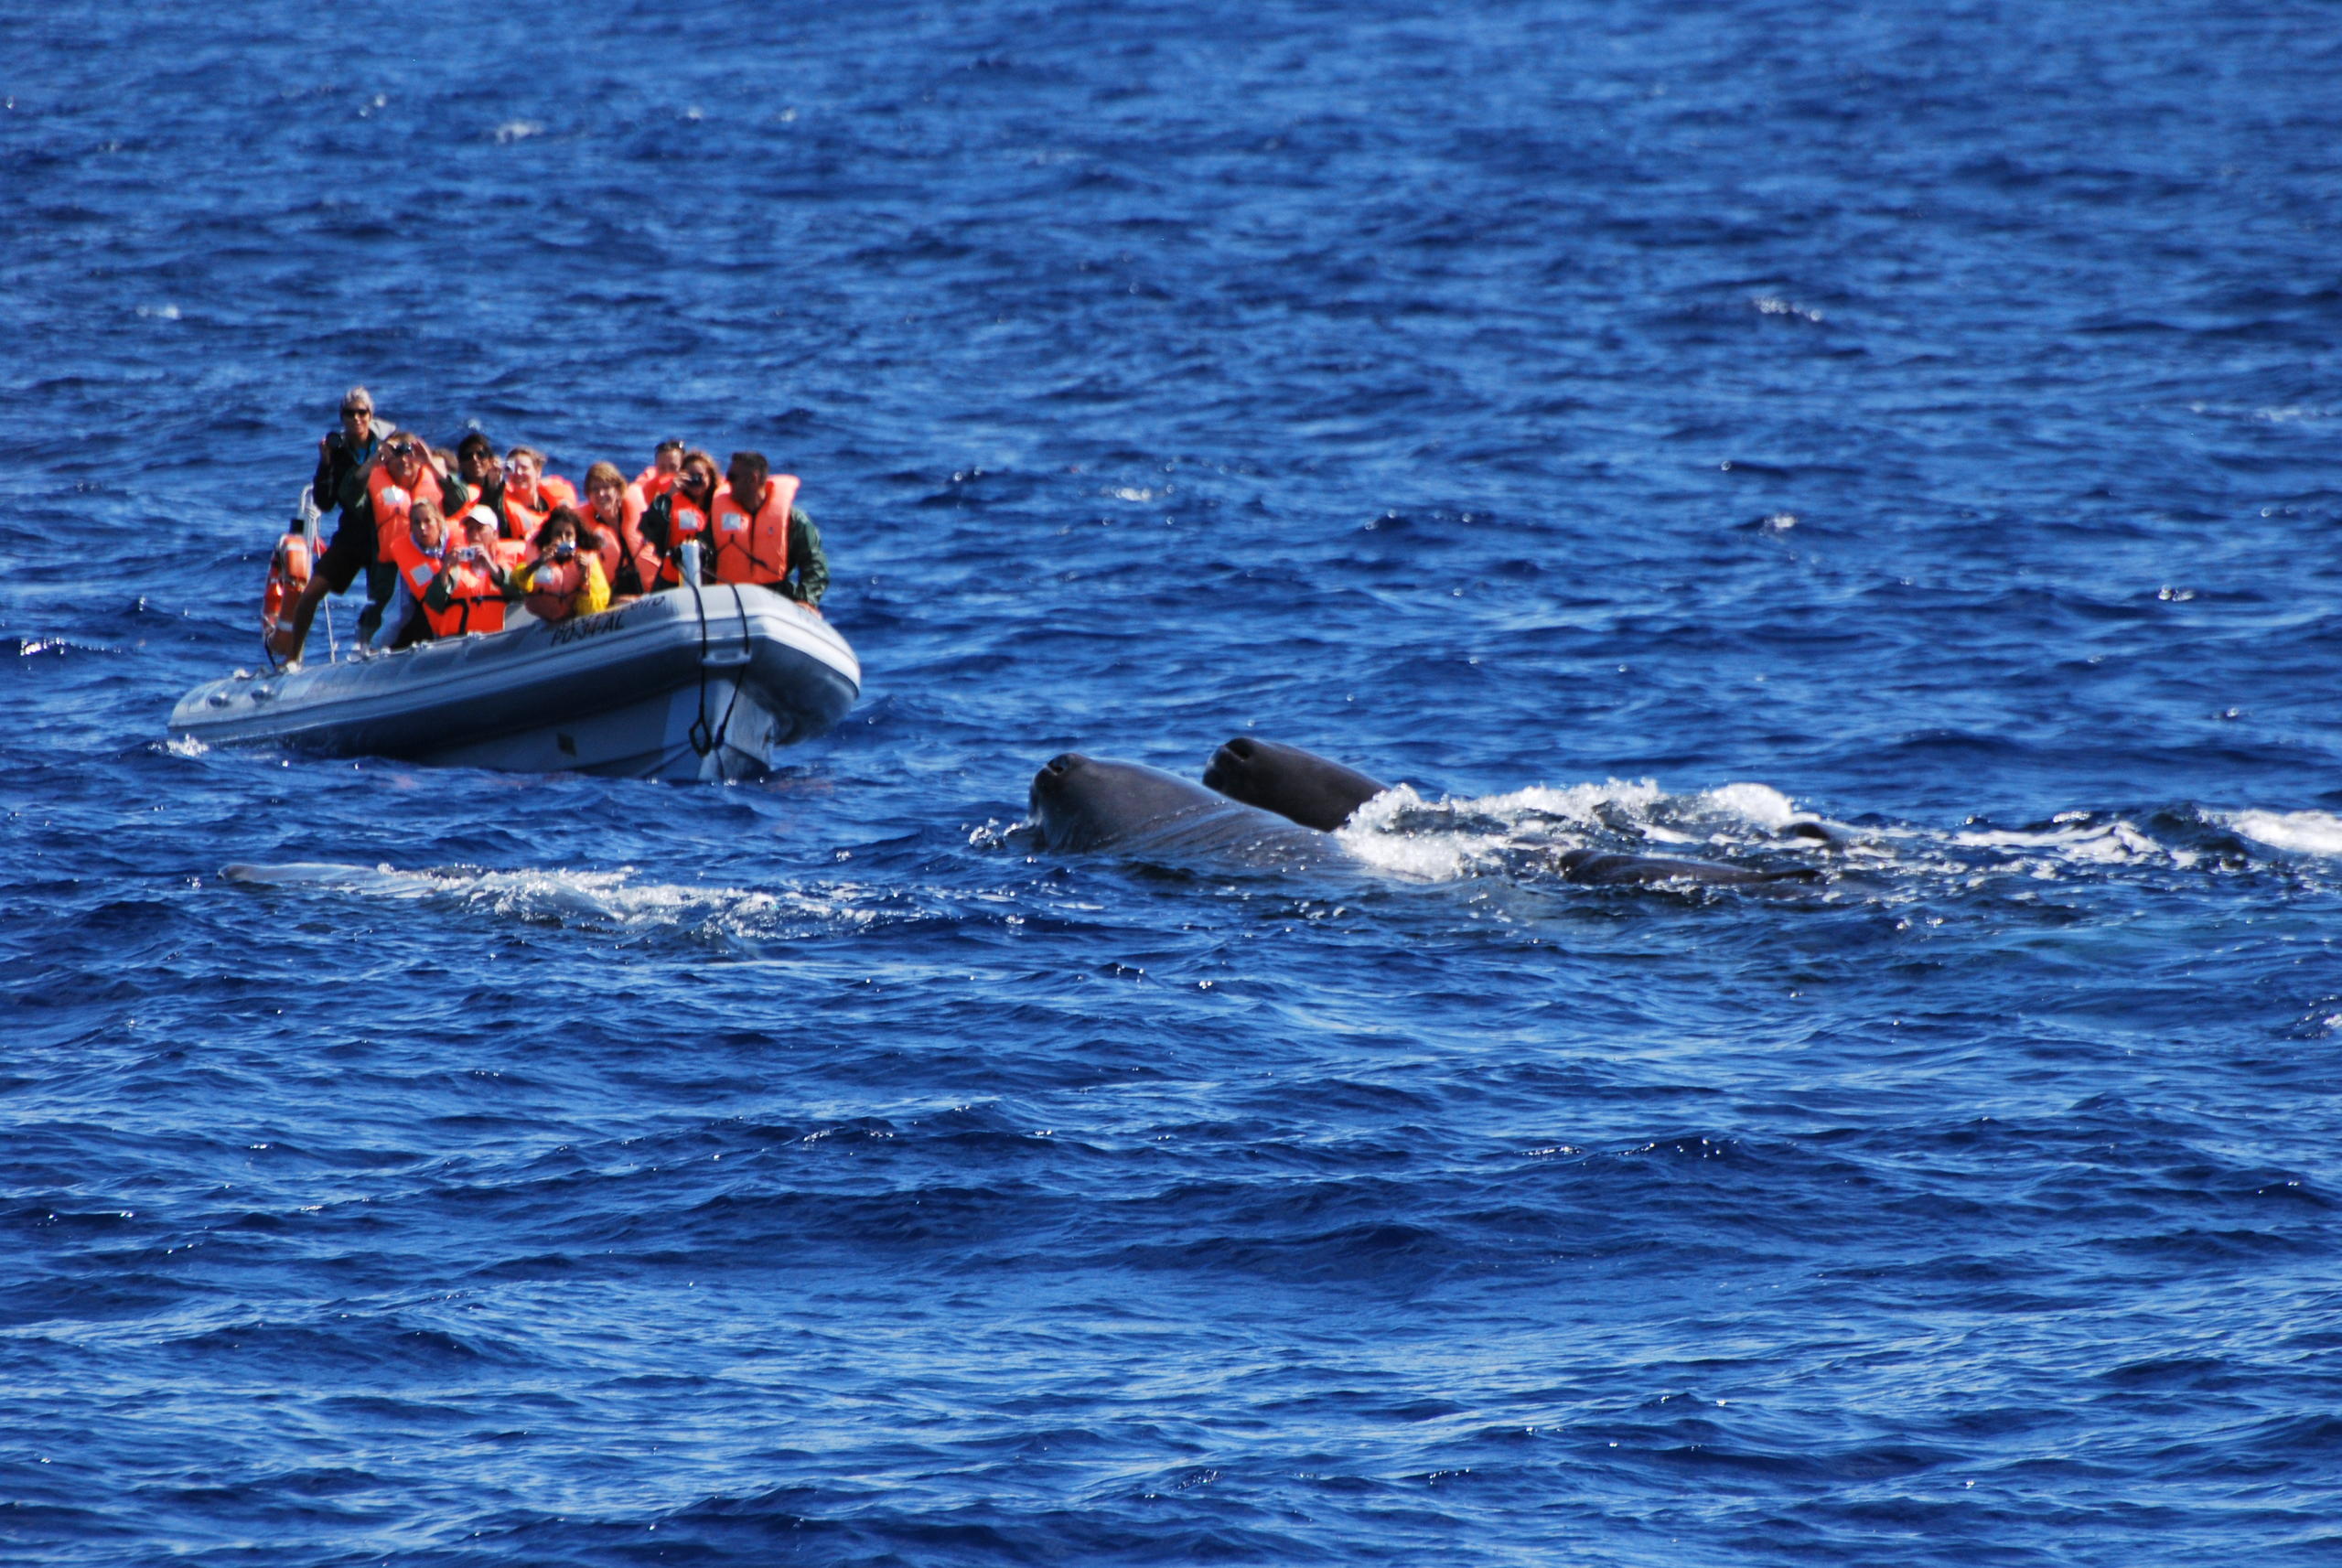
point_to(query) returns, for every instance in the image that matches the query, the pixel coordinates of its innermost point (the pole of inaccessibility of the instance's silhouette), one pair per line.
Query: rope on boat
(747, 652)
(705, 740)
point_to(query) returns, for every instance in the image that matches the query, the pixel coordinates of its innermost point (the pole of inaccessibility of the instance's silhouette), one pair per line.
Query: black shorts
(352, 550)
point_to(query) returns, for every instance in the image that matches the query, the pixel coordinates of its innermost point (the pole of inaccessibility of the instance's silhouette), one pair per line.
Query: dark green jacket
(808, 567)
(341, 460)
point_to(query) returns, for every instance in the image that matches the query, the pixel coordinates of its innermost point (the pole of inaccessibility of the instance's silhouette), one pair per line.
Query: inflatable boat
(691, 685)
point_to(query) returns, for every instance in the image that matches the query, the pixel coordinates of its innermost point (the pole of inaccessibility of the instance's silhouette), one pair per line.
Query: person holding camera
(345, 449)
(472, 588)
(565, 579)
(679, 517)
(666, 462)
(376, 499)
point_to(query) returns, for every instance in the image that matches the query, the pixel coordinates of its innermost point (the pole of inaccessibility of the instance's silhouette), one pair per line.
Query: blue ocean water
(1630, 425)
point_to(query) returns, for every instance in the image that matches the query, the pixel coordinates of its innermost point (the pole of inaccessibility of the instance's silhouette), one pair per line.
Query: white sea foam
(1399, 832)
(2116, 843)
(514, 131)
(1759, 803)
(1372, 834)
(2266, 413)
(993, 833)
(607, 900)
(2303, 832)
(1574, 803)
(1439, 841)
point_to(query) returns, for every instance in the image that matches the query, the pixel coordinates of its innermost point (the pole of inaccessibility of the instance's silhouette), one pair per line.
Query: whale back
(1315, 791)
(1085, 803)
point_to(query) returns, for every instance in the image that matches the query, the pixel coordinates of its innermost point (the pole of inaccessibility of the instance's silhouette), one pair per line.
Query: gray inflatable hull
(684, 686)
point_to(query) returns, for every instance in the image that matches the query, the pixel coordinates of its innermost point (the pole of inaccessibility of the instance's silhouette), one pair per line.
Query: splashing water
(2303, 832)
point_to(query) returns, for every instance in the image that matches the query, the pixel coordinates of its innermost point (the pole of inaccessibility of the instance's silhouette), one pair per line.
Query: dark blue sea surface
(1634, 425)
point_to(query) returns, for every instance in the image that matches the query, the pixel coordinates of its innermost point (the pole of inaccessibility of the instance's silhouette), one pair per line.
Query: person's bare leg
(305, 610)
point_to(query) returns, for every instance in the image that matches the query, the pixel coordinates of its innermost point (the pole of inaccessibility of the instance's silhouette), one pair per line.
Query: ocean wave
(2300, 833)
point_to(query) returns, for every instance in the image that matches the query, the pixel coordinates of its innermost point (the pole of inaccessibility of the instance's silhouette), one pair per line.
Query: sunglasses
(349, 408)
(401, 448)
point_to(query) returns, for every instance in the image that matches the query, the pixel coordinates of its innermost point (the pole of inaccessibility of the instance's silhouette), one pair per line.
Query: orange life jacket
(288, 574)
(416, 569)
(685, 523)
(754, 547)
(474, 605)
(513, 554)
(553, 588)
(391, 502)
(622, 539)
(653, 483)
(523, 520)
(555, 490)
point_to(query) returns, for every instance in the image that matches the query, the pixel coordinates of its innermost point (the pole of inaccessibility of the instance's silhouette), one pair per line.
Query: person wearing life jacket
(679, 517)
(346, 449)
(760, 535)
(565, 579)
(375, 501)
(417, 559)
(401, 477)
(471, 589)
(384, 490)
(666, 461)
(483, 471)
(479, 467)
(613, 512)
(525, 506)
(482, 529)
(544, 484)
(507, 553)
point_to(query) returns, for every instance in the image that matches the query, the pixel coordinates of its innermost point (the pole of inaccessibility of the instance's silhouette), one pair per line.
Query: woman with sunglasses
(345, 449)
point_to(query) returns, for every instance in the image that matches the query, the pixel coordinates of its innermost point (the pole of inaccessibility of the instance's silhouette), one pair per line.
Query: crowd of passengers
(446, 540)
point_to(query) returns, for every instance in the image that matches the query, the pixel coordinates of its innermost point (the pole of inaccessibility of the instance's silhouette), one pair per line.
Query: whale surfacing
(1267, 804)
(1315, 791)
(1081, 803)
